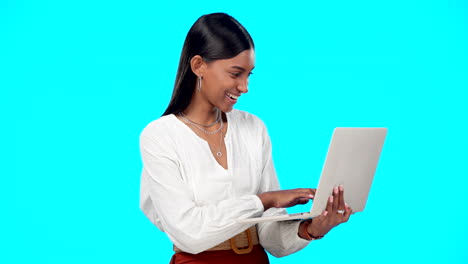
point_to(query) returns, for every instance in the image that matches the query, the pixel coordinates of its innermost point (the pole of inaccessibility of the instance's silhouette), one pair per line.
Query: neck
(201, 112)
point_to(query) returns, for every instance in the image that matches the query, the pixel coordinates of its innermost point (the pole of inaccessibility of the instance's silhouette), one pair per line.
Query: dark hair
(214, 36)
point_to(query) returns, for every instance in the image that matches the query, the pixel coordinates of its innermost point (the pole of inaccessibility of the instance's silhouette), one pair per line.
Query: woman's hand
(337, 212)
(286, 198)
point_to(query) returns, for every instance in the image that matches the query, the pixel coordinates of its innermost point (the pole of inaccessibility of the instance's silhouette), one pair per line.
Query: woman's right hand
(286, 198)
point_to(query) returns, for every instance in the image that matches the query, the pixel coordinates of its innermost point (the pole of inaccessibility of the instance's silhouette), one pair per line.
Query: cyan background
(80, 79)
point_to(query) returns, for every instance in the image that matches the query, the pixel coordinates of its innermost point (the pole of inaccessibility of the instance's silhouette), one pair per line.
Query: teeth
(232, 96)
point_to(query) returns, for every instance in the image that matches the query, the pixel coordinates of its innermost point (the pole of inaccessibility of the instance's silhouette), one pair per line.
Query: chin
(226, 109)
(224, 106)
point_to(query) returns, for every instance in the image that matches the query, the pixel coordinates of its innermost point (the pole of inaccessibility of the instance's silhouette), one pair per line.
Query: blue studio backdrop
(79, 80)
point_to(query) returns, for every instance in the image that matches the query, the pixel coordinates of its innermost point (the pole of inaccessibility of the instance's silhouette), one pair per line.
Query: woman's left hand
(337, 212)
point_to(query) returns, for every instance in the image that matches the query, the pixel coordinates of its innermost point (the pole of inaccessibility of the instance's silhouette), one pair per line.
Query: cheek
(219, 82)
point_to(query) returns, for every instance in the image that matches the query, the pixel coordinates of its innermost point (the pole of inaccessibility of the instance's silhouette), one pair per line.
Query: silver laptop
(351, 161)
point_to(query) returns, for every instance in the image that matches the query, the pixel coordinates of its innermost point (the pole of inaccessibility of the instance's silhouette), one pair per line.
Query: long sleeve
(278, 238)
(168, 200)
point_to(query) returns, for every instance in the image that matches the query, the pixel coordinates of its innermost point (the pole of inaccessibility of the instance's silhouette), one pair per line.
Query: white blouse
(195, 201)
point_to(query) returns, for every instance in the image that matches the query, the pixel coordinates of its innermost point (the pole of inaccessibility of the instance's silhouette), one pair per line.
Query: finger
(336, 199)
(330, 204)
(302, 195)
(313, 191)
(348, 212)
(308, 195)
(341, 203)
(307, 192)
(302, 200)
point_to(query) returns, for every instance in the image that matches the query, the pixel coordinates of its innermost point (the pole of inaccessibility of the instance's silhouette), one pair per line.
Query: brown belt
(241, 243)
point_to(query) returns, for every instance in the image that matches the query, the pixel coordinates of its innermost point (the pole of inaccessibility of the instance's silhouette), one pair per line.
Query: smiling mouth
(233, 97)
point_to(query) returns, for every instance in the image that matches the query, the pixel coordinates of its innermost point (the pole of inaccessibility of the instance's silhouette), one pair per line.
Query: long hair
(214, 36)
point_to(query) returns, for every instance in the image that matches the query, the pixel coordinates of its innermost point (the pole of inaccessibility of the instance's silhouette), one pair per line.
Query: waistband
(241, 243)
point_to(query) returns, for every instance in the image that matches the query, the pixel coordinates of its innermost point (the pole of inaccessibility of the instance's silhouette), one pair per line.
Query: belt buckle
(242, 251)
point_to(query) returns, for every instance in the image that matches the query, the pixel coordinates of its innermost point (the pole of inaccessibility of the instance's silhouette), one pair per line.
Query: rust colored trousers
(257, 256)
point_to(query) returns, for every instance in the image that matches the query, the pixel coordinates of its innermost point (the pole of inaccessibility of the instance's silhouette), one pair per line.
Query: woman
(206, 165)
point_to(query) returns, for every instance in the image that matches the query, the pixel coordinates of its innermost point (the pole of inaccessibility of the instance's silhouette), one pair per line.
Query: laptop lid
(351, 161)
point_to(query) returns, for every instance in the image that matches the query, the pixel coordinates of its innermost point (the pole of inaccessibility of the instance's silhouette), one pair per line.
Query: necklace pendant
(219, 154)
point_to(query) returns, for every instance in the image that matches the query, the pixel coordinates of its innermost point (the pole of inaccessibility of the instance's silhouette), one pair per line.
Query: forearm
(280, 238)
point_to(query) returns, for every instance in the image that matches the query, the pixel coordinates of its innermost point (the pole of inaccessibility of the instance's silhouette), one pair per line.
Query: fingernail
(311, 195)
(346, 204)
(325, 213)
(330, 199)
(335, 190)
(341, 188)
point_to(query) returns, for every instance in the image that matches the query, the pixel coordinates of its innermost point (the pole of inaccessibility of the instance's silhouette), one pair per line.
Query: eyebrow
(240, 68)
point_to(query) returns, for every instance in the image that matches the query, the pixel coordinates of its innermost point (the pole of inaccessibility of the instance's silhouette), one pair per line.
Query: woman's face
(224, 81)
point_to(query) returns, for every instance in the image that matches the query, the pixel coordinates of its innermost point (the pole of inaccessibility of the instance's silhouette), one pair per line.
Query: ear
(197, 65)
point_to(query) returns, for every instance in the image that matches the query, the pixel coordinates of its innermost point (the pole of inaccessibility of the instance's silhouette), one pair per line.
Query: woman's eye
(238, 74)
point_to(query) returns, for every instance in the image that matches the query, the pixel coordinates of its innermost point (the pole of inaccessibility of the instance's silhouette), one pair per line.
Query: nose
(242, 86)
